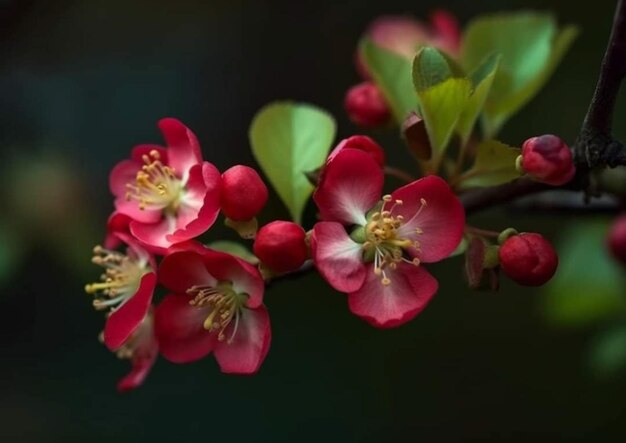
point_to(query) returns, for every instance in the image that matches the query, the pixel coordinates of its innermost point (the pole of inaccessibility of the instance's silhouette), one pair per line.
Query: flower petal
(179, 330)
(183, 149)
(244, 277)
(250, 344)
(145, 353)
(201, 204)
(132, 210)
(122, 174)
(441, 220)
(362, 143)
(387, 306)
(124, 320)
(350, 185)
(154, 235)
(338, 258)
(400, 34)
(182, 270)
(116, 224)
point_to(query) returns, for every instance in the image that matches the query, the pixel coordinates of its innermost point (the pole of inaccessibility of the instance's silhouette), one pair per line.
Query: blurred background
(81, 82)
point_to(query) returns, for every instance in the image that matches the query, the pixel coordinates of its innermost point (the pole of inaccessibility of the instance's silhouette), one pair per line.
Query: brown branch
(595, 145)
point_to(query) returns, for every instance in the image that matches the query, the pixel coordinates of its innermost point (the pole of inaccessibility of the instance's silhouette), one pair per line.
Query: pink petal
(244, 277)
(117, 223)
(251, 342)
(154, 234)
(399, 34)
(183, 148)
(447, 32)
(179, 330)
(338, 258)
(442, 219)
(132, 210)
(387, 306)
(201, 205)
(350, 185)
(362, 143)
(124, 320)
(144, 355)
(123, 173)
(182, 270)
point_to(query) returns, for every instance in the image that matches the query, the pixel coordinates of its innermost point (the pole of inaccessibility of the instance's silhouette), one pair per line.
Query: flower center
(225, 303)
(120, 280)
(156, 185)
(384, 241)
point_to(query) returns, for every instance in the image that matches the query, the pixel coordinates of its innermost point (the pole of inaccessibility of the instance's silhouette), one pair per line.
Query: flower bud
(617, 239)
(362, 143)
(243, 193)
(528, 259)
(547, 159)
(366, 106)
(281, 246)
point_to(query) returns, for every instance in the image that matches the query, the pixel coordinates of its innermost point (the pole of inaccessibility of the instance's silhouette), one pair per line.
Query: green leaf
(442, 106)
(430, 67)
(482, 78)
(234, 248)
(289, 139)
(607, 355)
(392, 74)
(589, 285)
(498, 112)
(530, 49)
(494, 165)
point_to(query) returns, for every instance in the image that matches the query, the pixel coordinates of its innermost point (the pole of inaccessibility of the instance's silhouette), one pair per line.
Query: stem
(481, 232)
(595, 145)
(401, 175)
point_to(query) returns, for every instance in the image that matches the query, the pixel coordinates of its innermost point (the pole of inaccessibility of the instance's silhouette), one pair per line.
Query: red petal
(386, 306)
(202, 203)
(131, 209)
(124, 320)
(250, 344)
(441, 220)
(123, 173)
(182, 270)
(144, 355)
(180, 331)
(350, 185)
(117, 223)
(183, 149)
(154, 234)
(399, 34)
(245, 277)
(362, 143)
(338, 258)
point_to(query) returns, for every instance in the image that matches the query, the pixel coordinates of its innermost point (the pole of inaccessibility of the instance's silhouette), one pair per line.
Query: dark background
(83, 81)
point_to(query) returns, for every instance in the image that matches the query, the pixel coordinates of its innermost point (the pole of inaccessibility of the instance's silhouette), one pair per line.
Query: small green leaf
(494, 165)
(607, 355)
(392, 74)
(588, 286)
(234, 248)
(482, 78)
(442, 106)
(430, 67)
(289, 139)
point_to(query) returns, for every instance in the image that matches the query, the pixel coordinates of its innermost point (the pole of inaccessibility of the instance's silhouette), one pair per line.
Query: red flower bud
(366, 106)
(243, 193)
(548, 159)
(281, 246)
(528, 259)
(617, 239)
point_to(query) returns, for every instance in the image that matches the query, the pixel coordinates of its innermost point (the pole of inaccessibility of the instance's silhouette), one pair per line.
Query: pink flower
(405, 35)
(366, 106)
(170, 194)
(142, 349)
(217, 306)
(378, 262)
(126, 289)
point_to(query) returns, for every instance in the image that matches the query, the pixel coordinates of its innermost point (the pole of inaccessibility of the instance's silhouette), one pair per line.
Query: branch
(595, 145)
(486, 197)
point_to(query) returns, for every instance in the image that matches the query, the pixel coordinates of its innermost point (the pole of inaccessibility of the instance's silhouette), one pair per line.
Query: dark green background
(83, 81)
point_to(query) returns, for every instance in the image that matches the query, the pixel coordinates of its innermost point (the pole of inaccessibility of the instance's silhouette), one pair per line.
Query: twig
(401, 175)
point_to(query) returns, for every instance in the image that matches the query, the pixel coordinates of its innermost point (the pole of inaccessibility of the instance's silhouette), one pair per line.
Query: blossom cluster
(368, 245)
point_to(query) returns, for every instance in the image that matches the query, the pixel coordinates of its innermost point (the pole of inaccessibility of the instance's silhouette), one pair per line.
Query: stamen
(225, 304)
(156, 184)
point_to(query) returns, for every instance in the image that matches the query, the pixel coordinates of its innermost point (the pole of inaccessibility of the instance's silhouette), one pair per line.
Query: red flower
(547, 159)
(126, 288)
(142, 350)
(362, 143)
(217, 306)
(366, 106)
(243, 193)
(170, 194)
(379, 262)
(281, 246)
